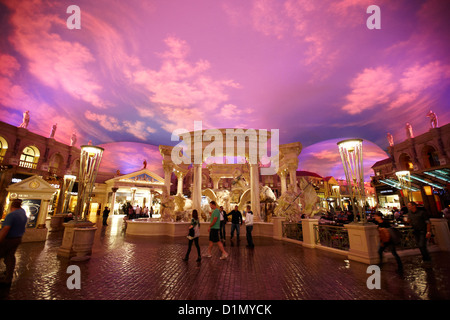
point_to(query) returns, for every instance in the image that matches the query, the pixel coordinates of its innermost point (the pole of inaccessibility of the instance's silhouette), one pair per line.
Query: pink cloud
(370, 88)
(183, 92)
(57, 63)
(139, 129)
(323, 158)
(8, 65)
(129, 157)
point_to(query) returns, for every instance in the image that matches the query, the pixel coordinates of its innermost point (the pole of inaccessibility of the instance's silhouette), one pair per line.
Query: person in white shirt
(223, 216)
(249, 227)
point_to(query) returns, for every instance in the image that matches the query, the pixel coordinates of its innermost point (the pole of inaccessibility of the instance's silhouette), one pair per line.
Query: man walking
(249, 227)
(105, 216)
(236, 220)
(223, 221)
(214, 231)
(420, 222)
(11, 237)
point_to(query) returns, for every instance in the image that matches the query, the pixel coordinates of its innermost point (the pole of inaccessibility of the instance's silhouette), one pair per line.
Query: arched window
(56, 163)
(29, 157)
(405, 162)
(3, 148)
(430, 157)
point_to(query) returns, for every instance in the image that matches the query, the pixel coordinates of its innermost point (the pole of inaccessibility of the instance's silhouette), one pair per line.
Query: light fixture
(404, 178)
(428, 190)
(90, 159)
(66, 190)
(352, 159)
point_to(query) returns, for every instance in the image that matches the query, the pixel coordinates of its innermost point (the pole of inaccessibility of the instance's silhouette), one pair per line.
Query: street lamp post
(404, 177)
(351, 153)
(90, 159)
(79, 234)
(69, 181)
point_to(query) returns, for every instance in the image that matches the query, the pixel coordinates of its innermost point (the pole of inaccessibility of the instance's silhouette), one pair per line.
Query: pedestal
(75, 239)
(364, 242)
(441, 233)
(278, 227)
(309, 234)
(56, 222)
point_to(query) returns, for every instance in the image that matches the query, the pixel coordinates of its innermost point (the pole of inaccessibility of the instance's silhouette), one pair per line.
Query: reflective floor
(140, 268)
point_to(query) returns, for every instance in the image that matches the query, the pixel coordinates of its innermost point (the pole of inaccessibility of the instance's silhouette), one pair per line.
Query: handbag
(196, 230)
(396, 236)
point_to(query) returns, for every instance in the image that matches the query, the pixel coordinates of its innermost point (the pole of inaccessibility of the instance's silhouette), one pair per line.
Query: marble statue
(288, 206)
(26, 120)
(73, 139)
(433, 119)
(409, 131)
(390, 139)
(52, 133)
(167, 206)
(308, 198)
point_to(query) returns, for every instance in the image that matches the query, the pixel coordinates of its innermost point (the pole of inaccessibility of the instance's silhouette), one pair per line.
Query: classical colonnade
(243, 144)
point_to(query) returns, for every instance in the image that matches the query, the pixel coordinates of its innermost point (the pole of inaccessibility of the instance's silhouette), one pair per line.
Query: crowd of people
(216, 230)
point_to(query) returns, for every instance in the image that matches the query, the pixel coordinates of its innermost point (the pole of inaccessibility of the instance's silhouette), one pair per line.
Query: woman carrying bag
(194, 233)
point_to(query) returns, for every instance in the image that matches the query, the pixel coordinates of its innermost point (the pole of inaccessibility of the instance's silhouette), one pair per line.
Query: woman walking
(194, 233)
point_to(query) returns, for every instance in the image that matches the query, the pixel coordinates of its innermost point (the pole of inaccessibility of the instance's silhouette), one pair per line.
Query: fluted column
(180, 177)
(254, 192)
(168, 169)
(282, 174)
(113, 199)
(293, 176)
(197, 188)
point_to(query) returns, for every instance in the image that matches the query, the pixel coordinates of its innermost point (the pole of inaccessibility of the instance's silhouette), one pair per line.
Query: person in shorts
(213, 229)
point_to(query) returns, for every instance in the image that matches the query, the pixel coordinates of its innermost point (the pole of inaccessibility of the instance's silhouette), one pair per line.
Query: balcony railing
(293, 230)
(27, 164)
(332, 236)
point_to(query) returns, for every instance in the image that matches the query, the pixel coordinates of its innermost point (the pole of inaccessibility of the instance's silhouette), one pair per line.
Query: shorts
(214, 235)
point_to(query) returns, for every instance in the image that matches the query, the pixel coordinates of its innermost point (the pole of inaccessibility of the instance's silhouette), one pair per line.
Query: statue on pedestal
(409, 131)
(433, 119)
(73, 139)
(288, 206)
(26, 120)
(390, 139)
(52, 133)
(167, 206)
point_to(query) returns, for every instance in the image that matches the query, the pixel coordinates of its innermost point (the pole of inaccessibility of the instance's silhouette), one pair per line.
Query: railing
(332, 236)
(293, 230)
(408, 241)
(27, 164)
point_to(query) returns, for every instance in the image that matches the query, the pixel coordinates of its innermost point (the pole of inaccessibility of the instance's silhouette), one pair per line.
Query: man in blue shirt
(11, 236)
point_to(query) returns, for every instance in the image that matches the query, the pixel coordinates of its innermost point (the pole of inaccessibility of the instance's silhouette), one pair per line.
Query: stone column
(215, 180)
(197, 188)
(113, 199)
(293, 176)
(282, 174)
(40, 224)
(168, 169)
(180, 177)
(254, 192)
(133, 195)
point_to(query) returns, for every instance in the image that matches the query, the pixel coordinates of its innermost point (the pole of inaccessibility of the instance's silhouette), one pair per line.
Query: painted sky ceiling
(137, 70)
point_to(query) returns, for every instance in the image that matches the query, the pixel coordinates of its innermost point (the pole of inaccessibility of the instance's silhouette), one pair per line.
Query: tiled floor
(151, 268)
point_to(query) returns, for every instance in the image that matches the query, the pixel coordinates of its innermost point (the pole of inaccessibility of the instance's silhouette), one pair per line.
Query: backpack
(396, 236)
